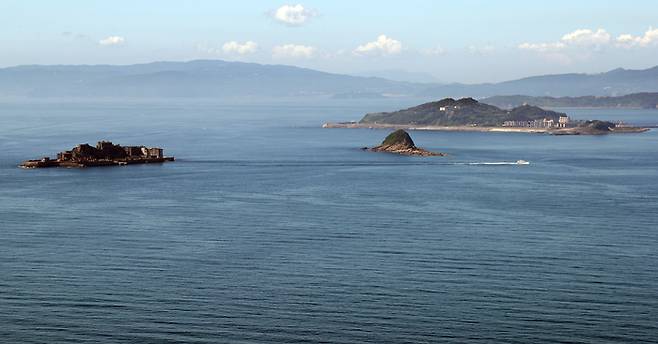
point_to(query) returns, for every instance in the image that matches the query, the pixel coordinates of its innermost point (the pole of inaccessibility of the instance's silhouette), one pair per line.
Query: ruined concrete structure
(105, 153)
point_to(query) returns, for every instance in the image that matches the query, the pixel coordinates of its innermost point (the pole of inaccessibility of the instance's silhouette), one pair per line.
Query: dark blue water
(271, 229)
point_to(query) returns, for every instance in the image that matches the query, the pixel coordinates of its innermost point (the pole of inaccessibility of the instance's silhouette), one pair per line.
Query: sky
(468, 41)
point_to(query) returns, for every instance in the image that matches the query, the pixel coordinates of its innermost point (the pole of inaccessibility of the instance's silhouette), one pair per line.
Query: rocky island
(104, 154)
(399, 142)
(467, 114)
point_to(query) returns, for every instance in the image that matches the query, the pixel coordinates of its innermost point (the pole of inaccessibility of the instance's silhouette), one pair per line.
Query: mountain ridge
(645, 100)
(219, 79)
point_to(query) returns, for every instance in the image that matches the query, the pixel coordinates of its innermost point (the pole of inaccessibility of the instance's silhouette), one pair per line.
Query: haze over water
(269, 228)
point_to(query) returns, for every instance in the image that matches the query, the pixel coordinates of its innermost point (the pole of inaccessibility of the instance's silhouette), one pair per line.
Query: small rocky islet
(399, 142)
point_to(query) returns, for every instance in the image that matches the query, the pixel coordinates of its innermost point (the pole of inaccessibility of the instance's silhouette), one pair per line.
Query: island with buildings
(467, 114)
(399, 142)
(104, 154)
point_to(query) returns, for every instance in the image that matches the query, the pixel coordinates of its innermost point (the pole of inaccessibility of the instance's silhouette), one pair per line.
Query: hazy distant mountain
(221, 79)
(613, 83)
(401, 75)
(635, 100)
(202, 78)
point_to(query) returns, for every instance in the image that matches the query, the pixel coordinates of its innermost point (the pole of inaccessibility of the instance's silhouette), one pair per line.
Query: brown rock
(399, 142)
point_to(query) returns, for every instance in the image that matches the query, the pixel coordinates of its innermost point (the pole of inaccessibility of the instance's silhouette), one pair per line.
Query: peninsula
(399, 142)
(104, 154)
(467, 114)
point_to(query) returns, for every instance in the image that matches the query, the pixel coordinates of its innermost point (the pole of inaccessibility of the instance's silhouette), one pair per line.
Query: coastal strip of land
(488, 129)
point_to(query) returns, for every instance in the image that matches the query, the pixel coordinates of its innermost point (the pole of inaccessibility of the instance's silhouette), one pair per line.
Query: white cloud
(542, 47)
(577, 45)
(245, 48)
(112, 40)
(293, 51)
(553, 52)
(382, 46)
(293, 15)
(584, 38)
(593, 40)
(627, 40)
(74, 35)
(587, 37)
(483, 50)
(650, 37)
(438, 51)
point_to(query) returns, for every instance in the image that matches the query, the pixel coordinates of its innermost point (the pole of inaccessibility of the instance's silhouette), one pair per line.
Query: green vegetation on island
(399, 137)
(467, 114)
(462, 112)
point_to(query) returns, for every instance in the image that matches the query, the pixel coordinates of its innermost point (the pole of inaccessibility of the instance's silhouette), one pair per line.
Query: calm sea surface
(270, 229)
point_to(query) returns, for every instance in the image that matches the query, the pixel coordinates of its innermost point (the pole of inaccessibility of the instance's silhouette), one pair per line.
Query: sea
(270, 229)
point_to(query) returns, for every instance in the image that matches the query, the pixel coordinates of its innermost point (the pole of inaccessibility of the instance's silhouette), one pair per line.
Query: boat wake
(292, 163)
(501, 163)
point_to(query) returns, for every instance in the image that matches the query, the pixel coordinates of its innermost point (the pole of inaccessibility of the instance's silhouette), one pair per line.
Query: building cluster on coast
(105, 153)
(546, 123)
(108, 150)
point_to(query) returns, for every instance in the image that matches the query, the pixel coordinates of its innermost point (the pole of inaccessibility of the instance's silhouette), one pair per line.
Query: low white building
(563, 122)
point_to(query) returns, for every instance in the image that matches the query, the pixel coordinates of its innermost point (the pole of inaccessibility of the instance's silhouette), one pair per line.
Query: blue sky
(466, 41)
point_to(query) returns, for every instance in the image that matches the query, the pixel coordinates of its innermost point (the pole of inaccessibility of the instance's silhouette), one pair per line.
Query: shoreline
(48, 163)
(465, 128)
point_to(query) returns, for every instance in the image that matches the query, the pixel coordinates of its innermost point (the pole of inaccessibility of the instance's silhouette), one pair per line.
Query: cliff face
(465, 111)
(400, 142)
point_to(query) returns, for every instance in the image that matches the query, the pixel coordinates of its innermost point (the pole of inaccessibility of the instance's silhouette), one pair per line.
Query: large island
(104, 154)
(467, 114)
